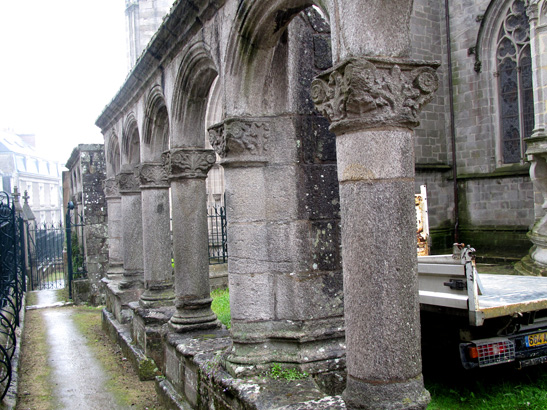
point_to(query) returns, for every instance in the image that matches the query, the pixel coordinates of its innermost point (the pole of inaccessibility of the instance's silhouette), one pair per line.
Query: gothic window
(514, 72)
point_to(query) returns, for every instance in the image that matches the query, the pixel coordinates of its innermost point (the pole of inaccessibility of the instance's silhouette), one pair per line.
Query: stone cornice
(153, 175)
(363, 93)
(188, 163)
(241, 140)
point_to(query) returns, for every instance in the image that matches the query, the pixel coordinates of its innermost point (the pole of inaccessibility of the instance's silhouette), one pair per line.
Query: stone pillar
(129, 187)
(535, 263)
(187, 168)
(158, 272)
(115, 245)
(373, 104)
(284, 270)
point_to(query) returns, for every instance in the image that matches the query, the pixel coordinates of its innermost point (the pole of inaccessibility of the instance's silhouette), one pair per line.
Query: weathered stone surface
(158, 271)
(88, 170)
(188, 169)
(371, 92)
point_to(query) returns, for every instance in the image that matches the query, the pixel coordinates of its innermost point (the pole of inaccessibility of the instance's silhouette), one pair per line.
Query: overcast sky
(61, 62)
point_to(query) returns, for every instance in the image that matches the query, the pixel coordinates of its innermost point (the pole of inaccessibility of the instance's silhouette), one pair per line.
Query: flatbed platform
(507, 294)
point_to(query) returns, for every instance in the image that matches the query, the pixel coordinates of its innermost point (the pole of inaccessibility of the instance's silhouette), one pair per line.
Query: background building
(22, 167)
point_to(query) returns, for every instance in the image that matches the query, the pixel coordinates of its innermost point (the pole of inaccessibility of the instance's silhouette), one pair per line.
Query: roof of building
(25, 157)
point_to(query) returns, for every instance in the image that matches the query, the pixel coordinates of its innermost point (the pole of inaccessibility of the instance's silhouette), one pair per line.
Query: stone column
(373, 104)
(158, 272)
(535, 263)
(187, 168)
(129, 187)
(115, 246)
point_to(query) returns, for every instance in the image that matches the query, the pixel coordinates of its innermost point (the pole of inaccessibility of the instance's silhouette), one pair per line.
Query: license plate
(536, 339)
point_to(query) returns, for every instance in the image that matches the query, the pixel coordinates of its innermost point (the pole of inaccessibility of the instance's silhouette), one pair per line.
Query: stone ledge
(195, 378)
(121, 334)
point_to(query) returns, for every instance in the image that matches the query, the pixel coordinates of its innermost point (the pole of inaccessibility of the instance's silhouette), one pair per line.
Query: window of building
(53, 195)
(514, 73)
(41, 194)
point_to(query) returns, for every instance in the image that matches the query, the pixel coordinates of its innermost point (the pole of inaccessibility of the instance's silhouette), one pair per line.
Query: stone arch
(113, 162)
(280, 166)
(131, 150)
(156, 125)
(255, 59)
(194, 80)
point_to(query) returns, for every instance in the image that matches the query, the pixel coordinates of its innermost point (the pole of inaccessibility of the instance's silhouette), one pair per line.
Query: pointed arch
(503, 56)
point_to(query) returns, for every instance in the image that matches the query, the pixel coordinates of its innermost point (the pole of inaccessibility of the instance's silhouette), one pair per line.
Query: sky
(61, 63)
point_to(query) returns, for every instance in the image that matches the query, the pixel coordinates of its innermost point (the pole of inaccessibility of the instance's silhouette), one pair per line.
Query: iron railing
(218, 246)
(12, 285)
(46, 250)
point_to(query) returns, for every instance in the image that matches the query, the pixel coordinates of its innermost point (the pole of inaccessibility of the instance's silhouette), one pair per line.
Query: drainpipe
(452, 123)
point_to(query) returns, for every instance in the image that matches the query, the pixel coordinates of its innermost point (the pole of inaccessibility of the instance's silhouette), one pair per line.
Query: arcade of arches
(308, 115)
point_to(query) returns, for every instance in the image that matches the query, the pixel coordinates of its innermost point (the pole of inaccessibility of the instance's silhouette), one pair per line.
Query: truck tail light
(492, 351)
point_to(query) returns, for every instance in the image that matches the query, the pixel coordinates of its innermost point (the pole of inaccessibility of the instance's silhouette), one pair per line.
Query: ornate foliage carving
(128, 182)
(110, 187)
(153, 175)
(243, 140)
(189, 163)
(364, 93)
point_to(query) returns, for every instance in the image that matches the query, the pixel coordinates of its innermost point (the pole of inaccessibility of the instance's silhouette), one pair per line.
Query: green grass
(221, 306)
(499, 388)
(277, 372)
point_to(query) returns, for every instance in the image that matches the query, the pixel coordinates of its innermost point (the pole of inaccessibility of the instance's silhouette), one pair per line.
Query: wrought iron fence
(46, 246)
(218, 246)
(12, 285)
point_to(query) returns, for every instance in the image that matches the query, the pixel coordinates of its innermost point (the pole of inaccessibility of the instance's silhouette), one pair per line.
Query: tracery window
(514, 72)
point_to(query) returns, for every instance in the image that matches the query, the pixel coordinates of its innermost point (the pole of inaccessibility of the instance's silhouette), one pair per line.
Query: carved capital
(153, 175)
(128, 182)
(241, 140)
(371, 92)
(110, 187)
(185, 163)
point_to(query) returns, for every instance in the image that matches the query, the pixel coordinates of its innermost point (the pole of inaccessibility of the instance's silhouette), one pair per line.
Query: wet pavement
(80, 382)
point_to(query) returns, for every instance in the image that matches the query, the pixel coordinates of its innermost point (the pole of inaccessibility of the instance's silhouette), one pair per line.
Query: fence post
(70, 207)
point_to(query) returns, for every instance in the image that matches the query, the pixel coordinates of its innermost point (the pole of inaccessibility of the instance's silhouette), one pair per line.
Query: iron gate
(55, 252)
(218, 244)
(12, 285)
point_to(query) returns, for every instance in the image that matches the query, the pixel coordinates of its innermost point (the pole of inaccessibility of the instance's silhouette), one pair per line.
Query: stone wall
(91, 206)
(484, 209)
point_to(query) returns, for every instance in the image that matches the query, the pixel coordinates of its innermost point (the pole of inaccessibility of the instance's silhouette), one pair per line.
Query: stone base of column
(132, 279)
(535, 263)
(193, 315)
(315, 347)
(114, 270)
(375, 395)
(118, 300)
(529, 267)
(147, 329)
(157, 296)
